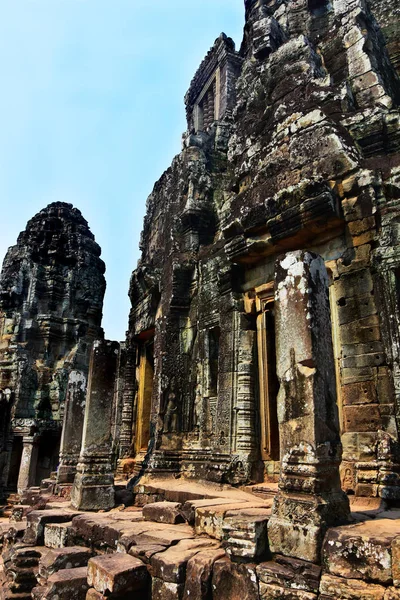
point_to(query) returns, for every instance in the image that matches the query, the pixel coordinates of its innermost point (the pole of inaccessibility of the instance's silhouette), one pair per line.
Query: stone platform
(202, 542)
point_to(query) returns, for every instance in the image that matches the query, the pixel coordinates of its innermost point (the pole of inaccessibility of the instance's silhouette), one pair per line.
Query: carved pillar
(310, 498)
(71, 437)
(93, 487)
(27, 470)
(127, 405)
(246, 432)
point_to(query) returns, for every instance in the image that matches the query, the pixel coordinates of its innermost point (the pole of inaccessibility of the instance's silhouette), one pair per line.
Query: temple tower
(51, 296)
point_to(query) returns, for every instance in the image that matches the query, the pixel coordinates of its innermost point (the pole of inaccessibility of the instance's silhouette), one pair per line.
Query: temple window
(212, 92)
(205, 113)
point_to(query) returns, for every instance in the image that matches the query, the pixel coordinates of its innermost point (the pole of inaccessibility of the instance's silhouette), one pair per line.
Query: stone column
(310, 498)
(71, 437)
(93, 487)
(27, 469)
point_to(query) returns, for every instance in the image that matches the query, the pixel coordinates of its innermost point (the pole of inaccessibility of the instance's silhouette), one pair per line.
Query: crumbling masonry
(263, 344)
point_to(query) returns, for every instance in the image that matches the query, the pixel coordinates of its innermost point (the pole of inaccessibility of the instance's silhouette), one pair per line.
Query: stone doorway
(145, 392)
(48, 455)
(15, 462)
(268, 380)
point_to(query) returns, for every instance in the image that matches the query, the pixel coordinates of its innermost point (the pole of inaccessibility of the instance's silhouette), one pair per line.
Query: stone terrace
(200, 541)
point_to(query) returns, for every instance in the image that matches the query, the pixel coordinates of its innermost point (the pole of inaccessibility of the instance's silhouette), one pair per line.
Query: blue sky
(91, 112)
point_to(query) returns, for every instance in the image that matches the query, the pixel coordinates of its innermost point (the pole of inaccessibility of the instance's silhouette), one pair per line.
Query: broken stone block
(36, 521)
(210, 519)
(361, 551)
(171, 564)
(165, 590)
(57, 535)
(63, 558)
(117, 574)
(163, 512)
(245, 533)
(68, 584)
(19, 511)
(337, 588)
(290, 573)
(199, 574)
(234, 581)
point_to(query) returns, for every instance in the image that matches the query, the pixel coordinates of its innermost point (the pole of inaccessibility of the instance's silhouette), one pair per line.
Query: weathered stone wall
(51, 295)
(308, 159)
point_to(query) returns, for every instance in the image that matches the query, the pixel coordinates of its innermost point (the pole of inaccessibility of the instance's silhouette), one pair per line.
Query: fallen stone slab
(171, 565)
(57, 535)
(165, 590)
(36, 521)
(148, 532)
(234, 581)
(68, 584)
(290, 573)
(361, 551)
(337, 588)
(117, 573)
(63, 558)
(199, 574)
(163, 512)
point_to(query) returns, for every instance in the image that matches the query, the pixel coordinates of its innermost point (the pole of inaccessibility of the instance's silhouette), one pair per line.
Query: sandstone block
(37, 520)
(190, 506)
(68, 584)
(165, 590)
(171, 564)
(234, 581)
(361, 551)
(396, 561)
(356, 420)
(94, 595)
(145, 550)
(19, 511)
(63, 558)
(117, 573)
(57, 535)
(163, 512)
(245, 533)
(210, 519)
(337, 588)
(199, 574)
(290, 573)
(392, 594)
(275, 592)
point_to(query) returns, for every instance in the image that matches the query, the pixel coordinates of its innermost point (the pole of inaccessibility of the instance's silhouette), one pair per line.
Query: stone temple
(243, 441)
